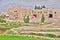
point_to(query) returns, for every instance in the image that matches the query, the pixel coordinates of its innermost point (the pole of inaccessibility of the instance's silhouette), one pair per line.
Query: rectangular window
(50, 15)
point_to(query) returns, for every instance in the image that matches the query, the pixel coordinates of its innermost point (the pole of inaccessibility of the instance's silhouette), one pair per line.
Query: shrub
(2, 20)
(26, 19)
(50, 35)
(39, 34)
(9, 32)
(32, 34)
(58, 36)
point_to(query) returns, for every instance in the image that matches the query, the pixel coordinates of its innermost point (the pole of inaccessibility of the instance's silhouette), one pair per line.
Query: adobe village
(41, 23)
(17, 14)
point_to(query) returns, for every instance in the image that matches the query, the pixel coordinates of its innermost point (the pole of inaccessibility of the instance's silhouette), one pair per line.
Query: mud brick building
(17, 14)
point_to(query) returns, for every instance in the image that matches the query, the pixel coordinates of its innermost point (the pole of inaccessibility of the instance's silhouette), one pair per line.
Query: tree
(35, 7)
(43, 6)
(26, 19)
(39, 7)
(42, 19)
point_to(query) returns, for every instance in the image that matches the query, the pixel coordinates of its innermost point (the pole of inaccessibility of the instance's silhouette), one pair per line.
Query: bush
(26, 19)
(32, 34)
(9, 32)
(2, 20)
(39, 34)
(50, 35)
(58, 36)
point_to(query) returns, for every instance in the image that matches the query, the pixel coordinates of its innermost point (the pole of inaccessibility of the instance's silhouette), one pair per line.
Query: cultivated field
(20, 38)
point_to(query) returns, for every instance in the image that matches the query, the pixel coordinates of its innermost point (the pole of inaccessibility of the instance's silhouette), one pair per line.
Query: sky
(5, 4)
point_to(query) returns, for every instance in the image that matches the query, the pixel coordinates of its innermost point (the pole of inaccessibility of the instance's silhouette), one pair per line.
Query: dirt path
(32, 28)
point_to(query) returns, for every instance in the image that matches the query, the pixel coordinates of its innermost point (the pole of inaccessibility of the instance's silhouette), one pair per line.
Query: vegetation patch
(50, 35)
(58, 36)
(50, 30)
(2, 20)
(9, 31)
(38, 34)
(10, 25)
(26, 19)
(20, 38)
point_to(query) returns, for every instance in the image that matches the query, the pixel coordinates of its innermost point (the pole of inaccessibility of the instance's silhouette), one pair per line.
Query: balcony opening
(55, 12)
(15, 11)
(35, 15)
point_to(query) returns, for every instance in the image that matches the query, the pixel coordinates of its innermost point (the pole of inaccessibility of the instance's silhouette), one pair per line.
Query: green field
(20, 38)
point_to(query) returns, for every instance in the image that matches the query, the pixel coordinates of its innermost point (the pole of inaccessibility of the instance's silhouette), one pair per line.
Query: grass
(9, 31)
(50, 35)
(39, 34)
(10, 25)
(20, 38)
(50, 30)
(46, 35)
(34, 24)
(16, 24)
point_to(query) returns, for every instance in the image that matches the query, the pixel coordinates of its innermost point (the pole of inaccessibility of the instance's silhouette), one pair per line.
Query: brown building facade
(17, 14)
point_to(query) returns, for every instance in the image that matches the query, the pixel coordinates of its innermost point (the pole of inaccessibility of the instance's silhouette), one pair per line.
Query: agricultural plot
(20, 38)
